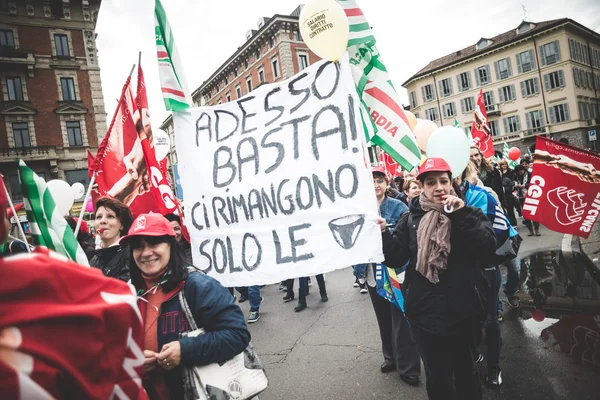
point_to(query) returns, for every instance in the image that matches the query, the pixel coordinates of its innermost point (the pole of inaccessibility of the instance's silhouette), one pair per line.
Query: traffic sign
(592, 135)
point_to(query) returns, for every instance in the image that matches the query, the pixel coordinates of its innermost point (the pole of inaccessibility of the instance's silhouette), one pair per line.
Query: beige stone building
(538, 78)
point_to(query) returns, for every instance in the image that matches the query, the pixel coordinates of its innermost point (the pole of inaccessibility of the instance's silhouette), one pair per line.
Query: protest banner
(563, 192)
(278, 183)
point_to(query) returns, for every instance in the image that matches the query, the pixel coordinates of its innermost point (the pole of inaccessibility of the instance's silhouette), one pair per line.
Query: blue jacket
(391, 210)
(214, 310)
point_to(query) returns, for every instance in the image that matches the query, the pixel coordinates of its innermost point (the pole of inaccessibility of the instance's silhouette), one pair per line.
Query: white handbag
(239, 378)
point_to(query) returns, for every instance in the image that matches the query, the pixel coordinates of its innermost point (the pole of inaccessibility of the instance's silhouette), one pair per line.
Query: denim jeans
(491, 325)
(254, 297)
(513, 279)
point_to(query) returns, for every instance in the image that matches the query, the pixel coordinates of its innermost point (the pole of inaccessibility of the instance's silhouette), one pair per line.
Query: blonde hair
(470, 173)
(484, 162)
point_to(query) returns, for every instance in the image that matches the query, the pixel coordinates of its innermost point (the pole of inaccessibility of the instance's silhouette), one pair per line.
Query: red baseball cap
(379, 169)
(434, 164)
(152, 224)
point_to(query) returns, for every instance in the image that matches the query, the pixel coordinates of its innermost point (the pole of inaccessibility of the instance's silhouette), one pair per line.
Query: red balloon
(537, 315)
(514, 153)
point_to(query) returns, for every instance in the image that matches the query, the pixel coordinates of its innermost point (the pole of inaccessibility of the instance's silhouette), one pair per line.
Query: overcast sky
(409, 33)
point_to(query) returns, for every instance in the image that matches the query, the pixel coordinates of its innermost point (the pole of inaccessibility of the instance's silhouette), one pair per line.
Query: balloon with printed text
(324, 28)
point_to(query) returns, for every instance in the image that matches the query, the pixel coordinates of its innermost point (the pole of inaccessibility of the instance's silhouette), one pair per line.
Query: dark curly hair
(121, 211)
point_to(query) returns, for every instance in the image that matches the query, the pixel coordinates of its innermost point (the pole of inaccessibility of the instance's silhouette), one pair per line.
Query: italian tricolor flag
(172, 83)
(384, 120)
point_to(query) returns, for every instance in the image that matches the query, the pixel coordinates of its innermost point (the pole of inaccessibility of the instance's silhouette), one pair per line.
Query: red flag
(67, 331)
(563, 190)
(4, 228)
(392, 168)
(480, 131)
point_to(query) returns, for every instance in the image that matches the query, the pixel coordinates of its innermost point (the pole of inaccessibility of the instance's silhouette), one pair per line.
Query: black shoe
(387, 367)
(288, 298)
(494, 378)
(324, 298)
(242, 299)
(300, 307)
(410, 379)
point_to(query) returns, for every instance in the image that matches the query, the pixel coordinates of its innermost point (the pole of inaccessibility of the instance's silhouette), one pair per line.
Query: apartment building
(538, 78)
(52, 108)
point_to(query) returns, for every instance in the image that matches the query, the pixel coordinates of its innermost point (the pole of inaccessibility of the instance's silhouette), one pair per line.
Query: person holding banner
(112, 220)
(446, 243)
(159, 273)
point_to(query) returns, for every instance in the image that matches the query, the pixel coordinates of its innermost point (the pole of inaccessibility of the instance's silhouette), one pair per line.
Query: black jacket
(440, 308)
(494, 180)
(88, 244)
(113, 261)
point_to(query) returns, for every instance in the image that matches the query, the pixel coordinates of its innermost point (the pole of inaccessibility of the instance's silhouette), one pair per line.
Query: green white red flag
(388, 126)
(172, 81)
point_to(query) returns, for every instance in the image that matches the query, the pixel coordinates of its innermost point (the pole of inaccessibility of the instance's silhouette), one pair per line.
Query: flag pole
(12, 207)
(93, 179)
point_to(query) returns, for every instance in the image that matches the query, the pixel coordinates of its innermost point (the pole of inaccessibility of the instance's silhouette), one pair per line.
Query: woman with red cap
(445, 244)
(159, 271)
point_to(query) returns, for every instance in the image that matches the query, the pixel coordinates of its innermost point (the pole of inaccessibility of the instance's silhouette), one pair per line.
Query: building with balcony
(52, 108)
(538, 78)
(273, 52)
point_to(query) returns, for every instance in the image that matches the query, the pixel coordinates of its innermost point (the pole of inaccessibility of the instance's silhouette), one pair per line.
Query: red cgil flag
(480, 131)
(563, 191)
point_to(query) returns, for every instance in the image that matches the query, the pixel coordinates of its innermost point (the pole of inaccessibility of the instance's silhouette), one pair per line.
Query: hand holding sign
(324, 28)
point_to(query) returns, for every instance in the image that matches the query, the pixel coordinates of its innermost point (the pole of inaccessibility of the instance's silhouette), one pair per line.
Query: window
(488, 99)
(261, 76)
(512, 124)
(445, 87)
(56, 8)
(249, 84)
(576, 77)
(413, 99)
(550, 53)
(303, 58)
(68, 88)
(431, 114)
(494, 128)
(463, 81)
(228, 97)
(62, 45)
(530, 87)
(559, 113)
(235, 72)
(503, 69)
(238, 91)
(78, 175)
(467, 104)
(7, 38)
(482, 75)
(449, 110)
(297, 36)
(525, 61)
(535, 121)
(428, 93)
(583, 111)
(507, 93)
(468, 131)
(257, 55)
(15, 88)
(589, 80)
(579, 52)
(554, 80)
(275, 64)
(245, 64)
(15, 188)
(21, 134)
(226, 82)
(74, 133)
(271, 43)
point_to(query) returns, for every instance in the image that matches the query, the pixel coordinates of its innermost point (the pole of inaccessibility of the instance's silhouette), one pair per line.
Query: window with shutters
(550, 53)
(449, 110)
(68, 89)
(482, 75)
(507, 93)
(503, 69)
(74, 133)
(525, 61)
(428, 93)
(554, 80)
(488, 99)
(238, 91)
(7, 38)
(530, 87)
(21, 134)
(597, 81)
(559, 113)
(576, 77)
(445, 87)
(431, 114)
(583, 111)
(512, 124)
(463, 81)
(535, 121)
(467, 104)
(14, 88)
(589, 80)
(413, 99)
(494, 128)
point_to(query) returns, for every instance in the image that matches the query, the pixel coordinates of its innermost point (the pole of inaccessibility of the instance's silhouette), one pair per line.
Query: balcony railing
(492, 110)
(27, 153)
(535, 131)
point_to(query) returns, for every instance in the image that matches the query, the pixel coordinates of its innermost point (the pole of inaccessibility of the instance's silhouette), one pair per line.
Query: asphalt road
(332, 350)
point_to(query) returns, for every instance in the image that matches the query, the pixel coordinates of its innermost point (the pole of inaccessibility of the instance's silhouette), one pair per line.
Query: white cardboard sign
(277, 183)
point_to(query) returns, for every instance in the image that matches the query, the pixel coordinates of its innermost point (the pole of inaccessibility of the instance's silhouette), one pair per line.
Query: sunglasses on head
(138, 242)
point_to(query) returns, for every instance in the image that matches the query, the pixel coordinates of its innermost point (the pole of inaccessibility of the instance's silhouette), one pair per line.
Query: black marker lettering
(220, 120)
(203, 126)
(278, 146)
(354, 178)
(252, 157)
(341, 128)
(228, 164)
(258, 252)
(268, 107)
(297, 92)
(245, 115)
(316, 92)
(295, 123)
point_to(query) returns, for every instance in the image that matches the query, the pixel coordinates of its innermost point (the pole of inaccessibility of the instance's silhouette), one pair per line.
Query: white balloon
(62, 195)
(451, 144)
(324, 28)
(78, 190)
(162, 144)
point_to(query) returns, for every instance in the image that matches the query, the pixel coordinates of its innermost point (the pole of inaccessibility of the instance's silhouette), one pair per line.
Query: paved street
(332, 350)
